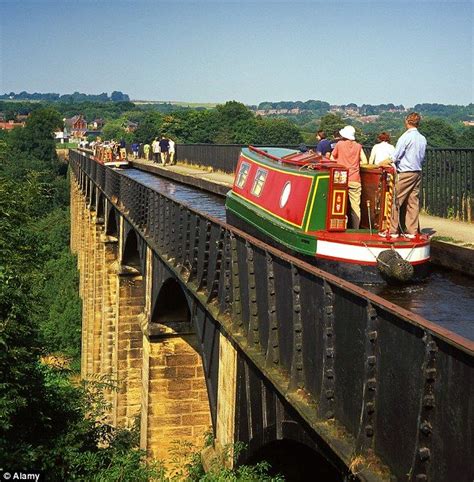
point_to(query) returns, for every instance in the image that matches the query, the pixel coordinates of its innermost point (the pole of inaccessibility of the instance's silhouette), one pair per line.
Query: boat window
(242, 175)
(285, 194)
(259, 182)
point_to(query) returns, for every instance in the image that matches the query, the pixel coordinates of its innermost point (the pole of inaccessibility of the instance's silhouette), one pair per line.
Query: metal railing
(448, 175)
(375, 377)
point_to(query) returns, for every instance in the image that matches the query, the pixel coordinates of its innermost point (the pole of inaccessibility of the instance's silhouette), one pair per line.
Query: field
(193, 105)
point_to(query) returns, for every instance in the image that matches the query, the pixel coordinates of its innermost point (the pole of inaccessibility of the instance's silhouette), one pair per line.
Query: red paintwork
(377, 189)
(363, 263)
(269, 198)
(371, 240)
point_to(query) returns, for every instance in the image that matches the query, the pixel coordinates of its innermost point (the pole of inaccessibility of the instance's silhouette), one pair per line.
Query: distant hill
(115, 96)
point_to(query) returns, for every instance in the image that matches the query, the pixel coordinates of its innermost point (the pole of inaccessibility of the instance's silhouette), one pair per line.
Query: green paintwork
(278, 230)
(318, 216)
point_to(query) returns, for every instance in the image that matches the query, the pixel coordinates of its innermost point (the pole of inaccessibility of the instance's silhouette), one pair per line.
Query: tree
(438, 132)
(331, 123)
(149, 127)
(277, 132)
(466, 138)
(118, 96)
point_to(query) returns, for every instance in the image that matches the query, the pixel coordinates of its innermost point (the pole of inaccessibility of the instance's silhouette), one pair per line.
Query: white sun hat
(348, 132)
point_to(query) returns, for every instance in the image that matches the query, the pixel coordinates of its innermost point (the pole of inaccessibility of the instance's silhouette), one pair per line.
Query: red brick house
(76, 126)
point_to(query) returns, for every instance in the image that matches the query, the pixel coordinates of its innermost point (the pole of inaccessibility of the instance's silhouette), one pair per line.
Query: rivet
(428, 401)
(329, 373)
(329, 394)
(370, 407)
(329, 352)
(371, 384)
(372, 335)
(425, 427)
(369, 430)
(432, 347)
(431, 374)
(371, 360)
(424, 453)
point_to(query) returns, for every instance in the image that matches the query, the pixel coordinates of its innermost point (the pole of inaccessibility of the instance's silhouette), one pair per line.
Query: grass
(67, 145)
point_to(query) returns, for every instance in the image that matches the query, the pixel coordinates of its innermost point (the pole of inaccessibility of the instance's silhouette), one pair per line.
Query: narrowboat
(108, 155)
(298, 202)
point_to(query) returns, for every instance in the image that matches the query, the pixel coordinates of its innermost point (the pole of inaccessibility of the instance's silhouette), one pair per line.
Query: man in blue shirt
(324, 145)
(408, 158)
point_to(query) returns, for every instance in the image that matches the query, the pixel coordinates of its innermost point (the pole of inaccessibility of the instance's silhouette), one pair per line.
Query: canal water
(445, 297)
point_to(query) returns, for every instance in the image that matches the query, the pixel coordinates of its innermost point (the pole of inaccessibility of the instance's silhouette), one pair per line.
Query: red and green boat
(299, 203)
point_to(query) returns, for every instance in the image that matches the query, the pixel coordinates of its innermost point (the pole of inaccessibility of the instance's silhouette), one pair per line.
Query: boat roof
(292, 158)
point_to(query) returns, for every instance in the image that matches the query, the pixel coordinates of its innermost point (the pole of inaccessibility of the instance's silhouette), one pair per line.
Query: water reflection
(445, 298)
(203, 201)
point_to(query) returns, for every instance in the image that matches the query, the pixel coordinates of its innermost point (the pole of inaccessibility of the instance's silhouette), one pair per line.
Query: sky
(404, 52)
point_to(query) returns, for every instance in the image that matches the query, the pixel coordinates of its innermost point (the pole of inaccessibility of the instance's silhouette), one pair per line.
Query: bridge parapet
(363, 379)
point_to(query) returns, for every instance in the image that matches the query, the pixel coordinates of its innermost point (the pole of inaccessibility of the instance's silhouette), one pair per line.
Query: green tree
(277, 132)
(331, 123)
(466, 137)
(438, 132)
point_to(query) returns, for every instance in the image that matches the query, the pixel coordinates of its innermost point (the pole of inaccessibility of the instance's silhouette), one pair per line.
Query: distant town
(88, 116)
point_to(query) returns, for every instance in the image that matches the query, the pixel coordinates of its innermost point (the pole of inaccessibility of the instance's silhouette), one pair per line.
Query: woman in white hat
(349, 153)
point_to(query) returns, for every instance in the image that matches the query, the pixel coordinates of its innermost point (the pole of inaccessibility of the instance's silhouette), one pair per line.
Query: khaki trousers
(164, 157)
(355, 190)
(407, 191)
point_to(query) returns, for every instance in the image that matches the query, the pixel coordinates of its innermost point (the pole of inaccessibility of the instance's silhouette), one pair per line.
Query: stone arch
(93, 196)
(176, 396)
(296, 461)
(100, 206)
(112, 227)
(171, 307)
(131, 254)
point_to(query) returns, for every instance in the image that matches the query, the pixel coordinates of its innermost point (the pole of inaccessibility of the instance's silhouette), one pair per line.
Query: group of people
(162, 149)
(407, 157)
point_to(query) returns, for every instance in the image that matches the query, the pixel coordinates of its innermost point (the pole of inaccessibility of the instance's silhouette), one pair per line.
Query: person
(164, 148)
(155, 147)
(349, 153)
(381, 153)
(172, 150)
(324, 145)
(335, 139)
(146, 151)
(123, 149)
(135, 148)
(408, 158)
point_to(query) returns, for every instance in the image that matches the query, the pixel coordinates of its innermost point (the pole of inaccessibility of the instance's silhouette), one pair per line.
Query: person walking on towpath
(146, 151)
(408, 158)
(164, 148)
(172, 151)
(349, 153)
(155, 147)
(135, 149)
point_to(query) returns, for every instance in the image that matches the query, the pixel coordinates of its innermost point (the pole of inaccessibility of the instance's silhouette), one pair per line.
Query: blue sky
(405, 52)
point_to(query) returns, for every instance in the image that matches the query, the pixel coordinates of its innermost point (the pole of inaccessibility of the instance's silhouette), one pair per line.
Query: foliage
(116, 96)
(186, 465)
(331, 124)
(46, 422)
(438, 132)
